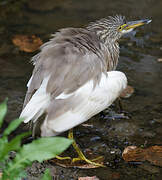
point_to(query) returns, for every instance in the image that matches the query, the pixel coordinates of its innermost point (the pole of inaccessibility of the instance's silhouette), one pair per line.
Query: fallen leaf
(27, 43)
(127, 92)
(152, 154)
(133, 153)
(88, 178)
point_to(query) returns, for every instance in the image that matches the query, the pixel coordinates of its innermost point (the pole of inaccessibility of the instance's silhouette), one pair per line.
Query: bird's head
(112, 28)
(126, 27)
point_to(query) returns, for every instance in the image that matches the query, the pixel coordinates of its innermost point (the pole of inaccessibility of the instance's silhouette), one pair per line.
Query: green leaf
(13, 145)
(3, 111)
(3, 141)
(46, 175)
(12, 126)
(3, 144)
(44, 148)
(17, 174)
(41, 149)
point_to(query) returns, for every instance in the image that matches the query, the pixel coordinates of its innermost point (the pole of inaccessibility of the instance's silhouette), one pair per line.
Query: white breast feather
(93, 102)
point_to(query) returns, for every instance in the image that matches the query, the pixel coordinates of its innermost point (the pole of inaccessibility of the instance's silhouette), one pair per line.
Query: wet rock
(99, 148)
(123, 129)
(148, 134)
(150, 168)
(115, 151)
(95, 138)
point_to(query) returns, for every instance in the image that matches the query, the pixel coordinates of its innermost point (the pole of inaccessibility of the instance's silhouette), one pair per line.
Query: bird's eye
(120, 28)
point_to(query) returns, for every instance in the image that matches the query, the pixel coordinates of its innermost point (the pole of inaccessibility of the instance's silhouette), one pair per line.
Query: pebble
(123, 129)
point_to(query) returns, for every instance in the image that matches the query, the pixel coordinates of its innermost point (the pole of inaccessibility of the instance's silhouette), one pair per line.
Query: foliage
(46, 175)
(41, 149)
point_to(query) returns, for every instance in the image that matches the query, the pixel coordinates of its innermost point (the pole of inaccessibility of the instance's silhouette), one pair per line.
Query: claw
(81, 156)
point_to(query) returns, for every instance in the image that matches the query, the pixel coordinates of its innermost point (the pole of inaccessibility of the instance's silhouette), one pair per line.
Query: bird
(75, 76)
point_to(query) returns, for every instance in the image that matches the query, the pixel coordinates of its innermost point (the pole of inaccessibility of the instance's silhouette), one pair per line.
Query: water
(138, 60)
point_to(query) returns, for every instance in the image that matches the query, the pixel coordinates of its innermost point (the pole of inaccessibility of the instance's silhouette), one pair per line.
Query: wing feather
(68, 62)
(73, 72)
(83, 103)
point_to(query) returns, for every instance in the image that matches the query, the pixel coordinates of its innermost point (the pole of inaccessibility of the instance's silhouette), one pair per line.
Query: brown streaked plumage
(76, 59)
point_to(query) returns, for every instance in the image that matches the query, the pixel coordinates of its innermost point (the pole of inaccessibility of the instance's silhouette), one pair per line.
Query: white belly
(93, 102)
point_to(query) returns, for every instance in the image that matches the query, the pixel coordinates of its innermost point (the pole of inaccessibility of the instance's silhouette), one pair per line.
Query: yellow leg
(80, 154)
(62, 158)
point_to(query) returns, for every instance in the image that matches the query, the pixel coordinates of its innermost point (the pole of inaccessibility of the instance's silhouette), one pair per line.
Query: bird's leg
(122, 114)
(62, 158)
(80, 154)
(121, 109)
(120, 104)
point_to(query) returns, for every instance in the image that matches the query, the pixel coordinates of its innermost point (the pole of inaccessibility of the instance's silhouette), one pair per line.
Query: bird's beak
(134, 24)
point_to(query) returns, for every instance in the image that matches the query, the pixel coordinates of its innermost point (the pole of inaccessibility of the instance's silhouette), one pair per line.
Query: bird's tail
(37, 104)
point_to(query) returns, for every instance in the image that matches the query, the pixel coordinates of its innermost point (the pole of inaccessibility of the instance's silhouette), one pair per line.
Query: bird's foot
(85, 159)
(116, 116)
(81, 156)
(92, 161)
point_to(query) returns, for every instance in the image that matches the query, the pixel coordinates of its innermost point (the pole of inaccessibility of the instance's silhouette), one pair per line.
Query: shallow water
(138, 60)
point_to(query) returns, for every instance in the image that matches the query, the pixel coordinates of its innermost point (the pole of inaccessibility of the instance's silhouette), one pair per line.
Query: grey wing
(70, 63)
